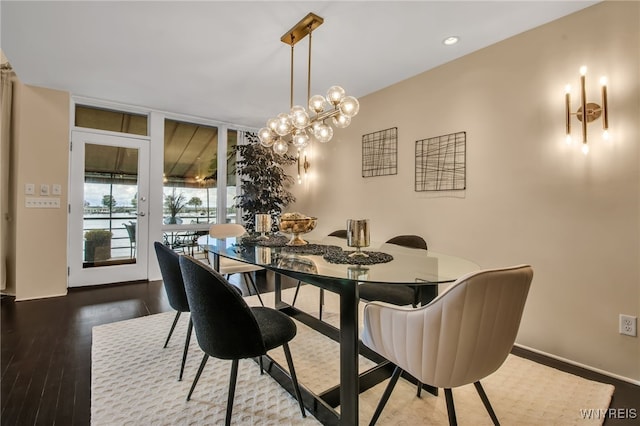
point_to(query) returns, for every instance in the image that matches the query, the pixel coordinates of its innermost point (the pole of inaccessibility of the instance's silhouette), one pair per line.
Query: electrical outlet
(628, 325)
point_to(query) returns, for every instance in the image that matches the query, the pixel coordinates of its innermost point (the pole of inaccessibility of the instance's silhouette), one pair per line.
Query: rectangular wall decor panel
(380, 153)
(441, 163)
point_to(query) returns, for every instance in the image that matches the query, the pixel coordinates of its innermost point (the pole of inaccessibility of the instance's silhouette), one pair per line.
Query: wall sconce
(303, 164)
(588, 111)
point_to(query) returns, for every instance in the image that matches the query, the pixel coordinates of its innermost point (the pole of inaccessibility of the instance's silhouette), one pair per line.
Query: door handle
(141, 213)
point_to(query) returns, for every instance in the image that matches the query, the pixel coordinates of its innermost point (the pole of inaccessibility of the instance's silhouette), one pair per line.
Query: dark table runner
(330, 253)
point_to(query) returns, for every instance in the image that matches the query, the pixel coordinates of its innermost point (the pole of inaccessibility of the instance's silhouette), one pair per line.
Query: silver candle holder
(263, 225)
(263, 255)
(358, 236)
(357, 273)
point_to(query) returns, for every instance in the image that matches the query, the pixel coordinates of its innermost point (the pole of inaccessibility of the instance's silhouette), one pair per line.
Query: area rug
(134, 382)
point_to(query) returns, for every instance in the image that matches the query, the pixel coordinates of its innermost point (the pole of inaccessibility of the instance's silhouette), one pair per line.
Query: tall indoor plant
(263, 180)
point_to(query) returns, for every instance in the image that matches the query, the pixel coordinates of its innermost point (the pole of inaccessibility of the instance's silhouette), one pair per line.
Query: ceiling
(224, 59)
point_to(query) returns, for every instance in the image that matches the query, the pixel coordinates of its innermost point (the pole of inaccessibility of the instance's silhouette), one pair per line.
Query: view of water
(120, 241)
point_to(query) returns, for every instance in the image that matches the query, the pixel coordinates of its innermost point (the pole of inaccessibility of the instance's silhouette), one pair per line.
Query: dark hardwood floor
(46, 353)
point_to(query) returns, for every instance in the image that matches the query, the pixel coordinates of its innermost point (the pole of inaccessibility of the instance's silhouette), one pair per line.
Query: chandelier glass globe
(349, 106)
(341, 121)
(316, 103)
(300, 139)
(323, 133)
(280, 147)
(299, 117)
(272, 124)
(335, 94)
(283, 127)
(266, 136)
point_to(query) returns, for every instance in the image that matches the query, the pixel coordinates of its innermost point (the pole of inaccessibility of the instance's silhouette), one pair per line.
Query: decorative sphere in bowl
(296, 224)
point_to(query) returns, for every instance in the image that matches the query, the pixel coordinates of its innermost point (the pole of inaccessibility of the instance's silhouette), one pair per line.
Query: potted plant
(264, 182)
(174, 203)
(97, 245)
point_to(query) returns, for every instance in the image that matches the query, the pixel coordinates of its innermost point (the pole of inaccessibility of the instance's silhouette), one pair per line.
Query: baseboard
(577, 364)
(22, 299)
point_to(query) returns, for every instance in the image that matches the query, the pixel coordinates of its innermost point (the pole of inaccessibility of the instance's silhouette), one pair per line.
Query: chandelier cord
(291, 82)
(309, 67)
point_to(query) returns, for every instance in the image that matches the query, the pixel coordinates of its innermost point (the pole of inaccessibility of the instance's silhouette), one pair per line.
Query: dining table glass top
(407, 266)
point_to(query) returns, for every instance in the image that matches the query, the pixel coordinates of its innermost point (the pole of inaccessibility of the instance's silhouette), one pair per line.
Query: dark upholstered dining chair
(174, 286)
(227, 328)
(460, 337)
(340, 233)
(395, 294)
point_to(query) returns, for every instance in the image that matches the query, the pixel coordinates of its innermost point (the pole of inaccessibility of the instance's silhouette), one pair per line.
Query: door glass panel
(110, 205)
(114, 121)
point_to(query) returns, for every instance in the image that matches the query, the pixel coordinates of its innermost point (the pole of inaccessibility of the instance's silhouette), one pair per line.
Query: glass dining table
(325, 263)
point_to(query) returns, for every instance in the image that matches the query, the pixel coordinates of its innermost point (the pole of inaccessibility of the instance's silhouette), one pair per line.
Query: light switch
(44, 189)
(29, 189)
(56, 189)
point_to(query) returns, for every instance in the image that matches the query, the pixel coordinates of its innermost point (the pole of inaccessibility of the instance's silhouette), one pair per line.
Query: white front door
(108, 215)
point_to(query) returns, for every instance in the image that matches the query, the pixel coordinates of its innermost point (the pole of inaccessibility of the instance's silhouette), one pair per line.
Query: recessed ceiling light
(450, 40)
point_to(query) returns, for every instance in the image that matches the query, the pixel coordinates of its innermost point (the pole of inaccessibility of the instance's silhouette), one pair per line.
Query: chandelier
(299, 126)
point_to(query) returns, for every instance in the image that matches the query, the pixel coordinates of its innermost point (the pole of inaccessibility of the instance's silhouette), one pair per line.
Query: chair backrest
(172, 277)
(131, 231)
(225, 326)
(226, 230)
(340, 233)
(464, 334)
(412, 241)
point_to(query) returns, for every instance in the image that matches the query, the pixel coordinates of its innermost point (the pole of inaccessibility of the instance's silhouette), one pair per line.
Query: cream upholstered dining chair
(228, 266)
(460, 337)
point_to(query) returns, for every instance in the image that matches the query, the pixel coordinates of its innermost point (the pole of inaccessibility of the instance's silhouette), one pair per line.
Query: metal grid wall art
(380, 153)
(441, 163)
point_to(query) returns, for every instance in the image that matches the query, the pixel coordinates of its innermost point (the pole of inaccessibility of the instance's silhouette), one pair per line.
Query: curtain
(6, 94)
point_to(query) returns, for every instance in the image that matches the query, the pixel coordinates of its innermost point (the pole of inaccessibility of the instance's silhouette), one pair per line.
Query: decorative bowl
(296, 227)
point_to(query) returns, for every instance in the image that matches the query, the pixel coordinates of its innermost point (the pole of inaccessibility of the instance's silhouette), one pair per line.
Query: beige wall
(40, 156)
(530, 198)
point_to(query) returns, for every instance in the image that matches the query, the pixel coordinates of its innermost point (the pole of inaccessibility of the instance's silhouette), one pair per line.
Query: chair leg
(232, 391)
(419, 392)
(195, 380)
(175, 321)
(487, 404)
(451, 410)
(295, 296)
(385, 396)
(186, 348)
(253, 283)
(294, 378)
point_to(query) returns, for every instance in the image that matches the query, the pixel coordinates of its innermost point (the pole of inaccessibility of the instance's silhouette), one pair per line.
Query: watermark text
(608, 413)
